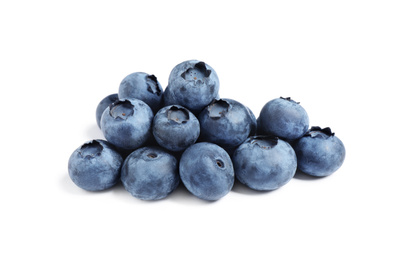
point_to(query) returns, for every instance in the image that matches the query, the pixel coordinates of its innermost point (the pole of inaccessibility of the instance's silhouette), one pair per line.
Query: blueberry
(140, 85)
(150, 173)
(95, 166)
(207, 171)
(319, 152)
(192, 84)
(175, 128)
(126, 123)
(104, 103)
(225, 122)
(284, 118)
(264, 163)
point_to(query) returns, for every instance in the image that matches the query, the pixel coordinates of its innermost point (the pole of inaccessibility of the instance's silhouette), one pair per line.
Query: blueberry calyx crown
(315, 129)
(290, 100)
(263, 141)
(199, 67)
(218, 108)
(121, 109)
(202, 67)
(178, 115)
(152, 85)
(91, 149)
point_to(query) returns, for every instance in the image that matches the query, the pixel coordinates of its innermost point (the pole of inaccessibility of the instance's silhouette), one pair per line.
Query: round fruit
(207, 171)
(150, 173)
(95, 166)
(126, 123)
(319, 152)
(264, 163)
(284, 118)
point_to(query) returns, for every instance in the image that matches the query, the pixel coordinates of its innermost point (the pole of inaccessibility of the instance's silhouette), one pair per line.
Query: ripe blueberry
(319, 152)
(284, 118)
(126, 123)
(225, 122)
(192, 84)
(207, 171)
(140, 85)
(95, 166)
(264, 163)
(150, 173)
(175, 128)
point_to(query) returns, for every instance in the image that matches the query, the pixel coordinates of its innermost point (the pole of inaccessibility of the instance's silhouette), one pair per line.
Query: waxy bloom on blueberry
(226, 122)
(126, 123)
(175, 128)
(150, 173)
(140, 85)
(284, 118)
(319, 152)
(207, 171)
(264, 163)
(192, 84)
(95, 166)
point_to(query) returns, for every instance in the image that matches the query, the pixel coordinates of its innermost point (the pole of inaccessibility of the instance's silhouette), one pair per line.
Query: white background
(343, 60)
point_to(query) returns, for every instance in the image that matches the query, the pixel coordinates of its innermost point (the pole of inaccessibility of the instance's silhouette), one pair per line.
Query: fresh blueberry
(192, 84)
(95, 166)
(175, 128)
(126, 123)
(150, 173)
(319, 152)
(284, 118)
(207, 171)
(264, 163)
(108, 100)
(140, 85)
(225, 122)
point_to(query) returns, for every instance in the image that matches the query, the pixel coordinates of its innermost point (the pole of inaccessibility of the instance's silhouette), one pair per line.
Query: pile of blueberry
(156, 138)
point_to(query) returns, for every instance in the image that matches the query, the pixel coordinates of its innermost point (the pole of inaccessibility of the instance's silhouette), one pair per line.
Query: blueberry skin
(284, 118)
(150, 173)
(104, 103)
(127, 123)
(192, 84)
(175, 128)
(264, 163)
(140, 85)
(95, 166)
(207, 171)
(225, 122)
(319, 152)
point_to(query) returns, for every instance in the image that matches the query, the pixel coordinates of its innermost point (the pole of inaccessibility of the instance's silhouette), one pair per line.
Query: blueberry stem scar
(218, 108)
(121, 109)
(201, 67)
(91, 149)
(325, 130)
(289, 99)
(178, 115)
(152, 85)
(264, 142)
